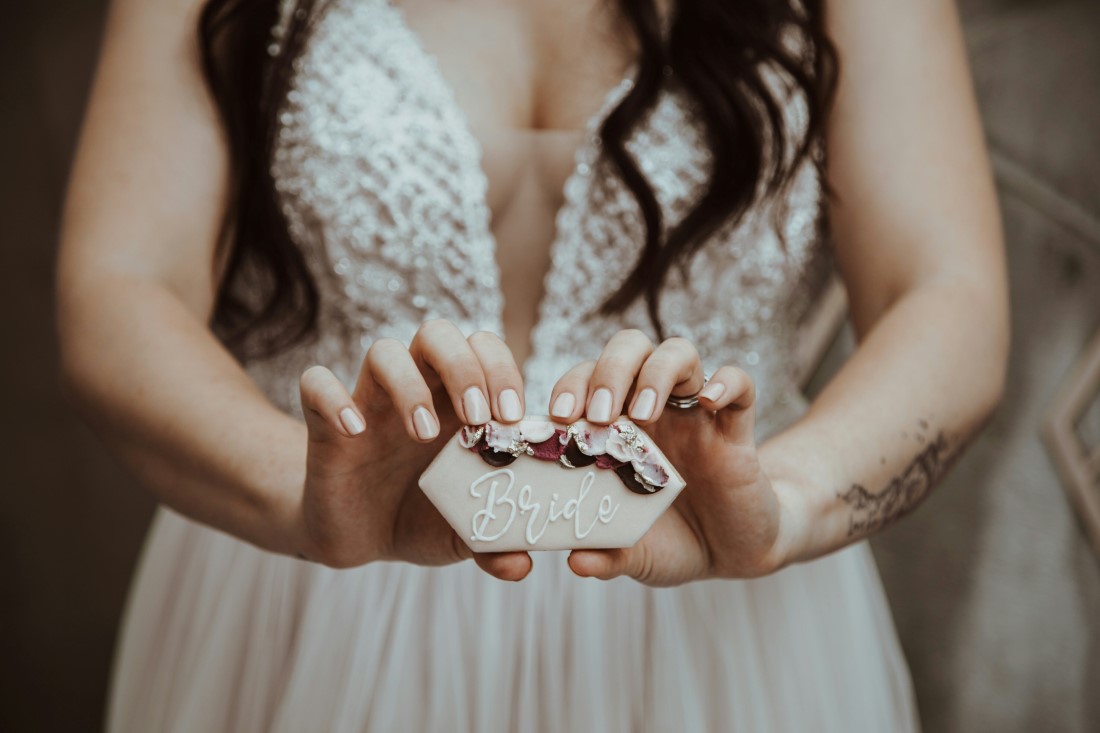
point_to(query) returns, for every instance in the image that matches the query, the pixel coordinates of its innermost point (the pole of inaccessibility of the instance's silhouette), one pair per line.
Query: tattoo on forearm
(873, 511)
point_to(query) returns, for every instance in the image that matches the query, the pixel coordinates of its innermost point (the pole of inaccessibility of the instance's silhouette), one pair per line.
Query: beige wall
(995, 592)
(70, 521)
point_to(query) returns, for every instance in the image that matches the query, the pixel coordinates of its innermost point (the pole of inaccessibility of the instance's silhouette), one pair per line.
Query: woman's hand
(728, 522)
(361, 501)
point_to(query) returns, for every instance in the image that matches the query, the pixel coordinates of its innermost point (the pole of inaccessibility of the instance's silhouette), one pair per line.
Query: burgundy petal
(605, 461)
(497, 458)
(548, 450)
(574, 455)
(627, 474)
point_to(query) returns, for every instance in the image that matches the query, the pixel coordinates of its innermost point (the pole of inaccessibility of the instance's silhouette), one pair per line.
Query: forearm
(886, 428)
(179, 410)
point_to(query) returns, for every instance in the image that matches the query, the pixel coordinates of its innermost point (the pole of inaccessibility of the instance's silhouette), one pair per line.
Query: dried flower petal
(536, 431)
(547, 450)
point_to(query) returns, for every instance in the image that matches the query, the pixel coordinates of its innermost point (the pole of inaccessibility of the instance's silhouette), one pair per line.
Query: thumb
(608, 564)
(512, 566)
(329, 410)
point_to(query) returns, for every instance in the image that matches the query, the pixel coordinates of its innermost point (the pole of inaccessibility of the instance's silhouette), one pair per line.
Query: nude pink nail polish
(713, 390)
(475, 406)
(645, 404)
(599, 409)
(424, 424)
(351, 421)
(510, 408)
(563, 405)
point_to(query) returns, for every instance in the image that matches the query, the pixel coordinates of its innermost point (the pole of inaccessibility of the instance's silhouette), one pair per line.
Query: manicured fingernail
(475, 406)
(510, 409)
(425, 425)
(563, 405)
(351, 421)
(713, 390)
(599, 410)
(644, 405)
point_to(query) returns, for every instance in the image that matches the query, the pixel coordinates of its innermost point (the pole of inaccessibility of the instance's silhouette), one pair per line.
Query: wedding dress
(379, 175)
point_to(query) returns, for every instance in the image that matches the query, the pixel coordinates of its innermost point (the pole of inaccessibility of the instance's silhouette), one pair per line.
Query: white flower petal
(536, 431)
(470, 435)
(618, 448)
(501, 437)
(650, 471)
(596, 438)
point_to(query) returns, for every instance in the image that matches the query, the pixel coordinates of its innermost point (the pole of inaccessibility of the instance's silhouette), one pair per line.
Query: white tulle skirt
(221, 636)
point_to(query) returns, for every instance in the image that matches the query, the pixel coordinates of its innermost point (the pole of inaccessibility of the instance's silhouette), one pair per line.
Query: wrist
(273, 489)
(794, 523)
(321, 531)
(811, 521)
(289, 521)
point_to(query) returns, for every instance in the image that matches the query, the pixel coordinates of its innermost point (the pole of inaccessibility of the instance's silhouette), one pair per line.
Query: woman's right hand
(361, 502)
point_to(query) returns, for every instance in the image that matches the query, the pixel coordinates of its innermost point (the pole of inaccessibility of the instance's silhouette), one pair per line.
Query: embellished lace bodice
(381, 181)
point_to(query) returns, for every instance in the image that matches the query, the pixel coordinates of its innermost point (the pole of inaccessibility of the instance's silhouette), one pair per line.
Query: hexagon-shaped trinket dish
(543, 485)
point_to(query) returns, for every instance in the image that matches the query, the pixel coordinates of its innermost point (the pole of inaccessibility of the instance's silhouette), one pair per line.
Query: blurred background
(994, 585)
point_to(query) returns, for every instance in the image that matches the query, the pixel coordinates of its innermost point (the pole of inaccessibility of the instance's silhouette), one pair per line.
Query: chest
(380, 171)
(528, 76)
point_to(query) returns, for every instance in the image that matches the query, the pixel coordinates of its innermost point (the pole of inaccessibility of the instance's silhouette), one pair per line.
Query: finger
(673, 368)
(389, 376)
(608, 564)
(501, 375)
(615, 371)
(440, 347)
(328, 408)
(513, 566)
(732, 393)
(570, 394)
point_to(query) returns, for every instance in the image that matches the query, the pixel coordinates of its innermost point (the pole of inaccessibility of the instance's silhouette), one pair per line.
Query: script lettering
(490, 523)
(485, 516)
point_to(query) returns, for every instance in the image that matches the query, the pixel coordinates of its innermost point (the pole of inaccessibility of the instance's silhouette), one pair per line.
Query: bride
(304, 242)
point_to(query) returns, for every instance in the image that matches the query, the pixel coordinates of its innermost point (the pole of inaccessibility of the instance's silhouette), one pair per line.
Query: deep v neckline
(584, 159)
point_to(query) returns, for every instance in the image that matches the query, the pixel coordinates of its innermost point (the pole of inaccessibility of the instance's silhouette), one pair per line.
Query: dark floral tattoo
(873, 511)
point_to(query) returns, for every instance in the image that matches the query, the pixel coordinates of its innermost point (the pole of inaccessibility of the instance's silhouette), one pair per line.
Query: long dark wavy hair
(715, 49)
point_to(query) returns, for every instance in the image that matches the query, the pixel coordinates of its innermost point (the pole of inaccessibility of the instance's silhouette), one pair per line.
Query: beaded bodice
(380, 179)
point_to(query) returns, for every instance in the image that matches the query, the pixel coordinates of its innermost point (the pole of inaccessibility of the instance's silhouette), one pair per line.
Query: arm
(919, 246)
(136, 287)
(918, 241)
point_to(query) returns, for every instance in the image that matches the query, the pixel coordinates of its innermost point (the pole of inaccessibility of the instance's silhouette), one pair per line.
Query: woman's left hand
(729, 521)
